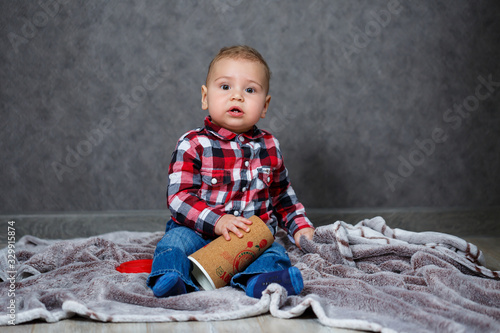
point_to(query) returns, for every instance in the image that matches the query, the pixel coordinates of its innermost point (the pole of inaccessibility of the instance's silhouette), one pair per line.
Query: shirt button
(243, 189)
(241, 138)
(214, 181)
(268, 179)
(247, 163)
(236, 213)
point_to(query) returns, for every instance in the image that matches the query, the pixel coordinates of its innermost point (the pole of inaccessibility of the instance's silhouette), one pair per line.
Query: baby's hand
(232, 223)
(307, 232)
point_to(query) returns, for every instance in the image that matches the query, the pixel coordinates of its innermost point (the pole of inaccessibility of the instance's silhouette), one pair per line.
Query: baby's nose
(237, 95)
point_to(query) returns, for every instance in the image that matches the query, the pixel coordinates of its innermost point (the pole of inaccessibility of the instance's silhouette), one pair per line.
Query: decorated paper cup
(216, 263)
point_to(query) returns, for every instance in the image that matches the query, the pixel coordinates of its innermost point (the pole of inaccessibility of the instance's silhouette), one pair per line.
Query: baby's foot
(169, 284)
(290, 279)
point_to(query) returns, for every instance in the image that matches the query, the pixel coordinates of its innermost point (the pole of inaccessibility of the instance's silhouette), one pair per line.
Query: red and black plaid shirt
(216, 172)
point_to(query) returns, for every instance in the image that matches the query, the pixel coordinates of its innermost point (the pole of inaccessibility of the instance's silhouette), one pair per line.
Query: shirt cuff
(300, 222)
(207, 220)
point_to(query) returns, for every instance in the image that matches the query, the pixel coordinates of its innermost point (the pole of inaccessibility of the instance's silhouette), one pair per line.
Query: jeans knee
(277, 249)
(182, 238)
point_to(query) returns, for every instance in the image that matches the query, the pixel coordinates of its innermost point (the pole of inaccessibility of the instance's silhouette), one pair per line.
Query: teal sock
(290, 279)
(169, 284)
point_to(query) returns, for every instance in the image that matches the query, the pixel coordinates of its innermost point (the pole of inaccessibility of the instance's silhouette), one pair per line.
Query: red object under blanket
(136, 266)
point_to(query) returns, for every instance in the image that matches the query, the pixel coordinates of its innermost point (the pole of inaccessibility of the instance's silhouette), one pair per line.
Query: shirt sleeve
(290, 212)
(184, 182)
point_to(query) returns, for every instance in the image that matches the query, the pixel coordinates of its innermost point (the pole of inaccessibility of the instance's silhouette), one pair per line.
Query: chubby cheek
(217, 98)
(258, 106)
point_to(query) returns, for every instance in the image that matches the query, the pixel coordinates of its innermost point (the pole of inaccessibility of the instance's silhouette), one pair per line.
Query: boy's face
(236, 94)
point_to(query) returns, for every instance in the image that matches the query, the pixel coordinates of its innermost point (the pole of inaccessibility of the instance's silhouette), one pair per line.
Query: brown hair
(241, 52)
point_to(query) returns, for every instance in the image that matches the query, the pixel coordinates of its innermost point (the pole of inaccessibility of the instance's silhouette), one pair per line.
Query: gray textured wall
(376, 103)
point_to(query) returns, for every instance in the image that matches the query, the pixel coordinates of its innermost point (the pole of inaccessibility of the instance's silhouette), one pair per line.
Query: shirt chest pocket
(264, 177)
(215, 178)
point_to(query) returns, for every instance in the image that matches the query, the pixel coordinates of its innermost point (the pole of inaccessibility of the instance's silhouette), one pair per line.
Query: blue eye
(224, 87)
(250, 90)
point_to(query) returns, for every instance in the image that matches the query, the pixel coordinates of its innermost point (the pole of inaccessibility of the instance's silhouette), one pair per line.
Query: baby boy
(225, 172)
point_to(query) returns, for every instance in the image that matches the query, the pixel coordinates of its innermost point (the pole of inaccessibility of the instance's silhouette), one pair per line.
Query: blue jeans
(172, 251)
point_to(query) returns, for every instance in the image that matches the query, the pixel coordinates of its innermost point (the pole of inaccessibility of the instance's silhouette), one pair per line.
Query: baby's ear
(204, 101)
(266, 106)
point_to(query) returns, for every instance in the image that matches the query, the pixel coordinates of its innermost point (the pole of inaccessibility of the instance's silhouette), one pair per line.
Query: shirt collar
(226, 134)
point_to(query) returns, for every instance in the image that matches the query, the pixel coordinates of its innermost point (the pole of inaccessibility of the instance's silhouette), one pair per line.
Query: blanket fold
(365, 277)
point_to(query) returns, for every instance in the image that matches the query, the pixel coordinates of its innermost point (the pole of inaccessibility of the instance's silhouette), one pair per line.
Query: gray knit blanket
(364, 277)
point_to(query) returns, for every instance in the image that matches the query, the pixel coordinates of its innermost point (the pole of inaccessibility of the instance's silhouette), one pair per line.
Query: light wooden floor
(265, 323)
(481, 228)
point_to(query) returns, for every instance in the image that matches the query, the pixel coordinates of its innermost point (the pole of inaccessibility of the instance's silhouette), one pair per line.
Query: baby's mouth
(236, 110)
